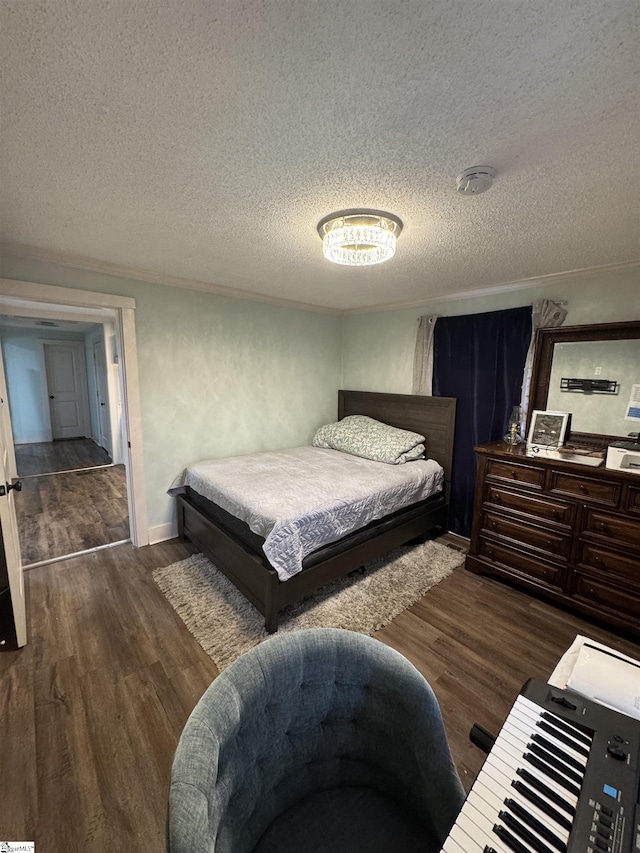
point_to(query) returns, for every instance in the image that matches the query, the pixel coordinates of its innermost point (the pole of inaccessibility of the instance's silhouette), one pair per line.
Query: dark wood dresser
(568, 532)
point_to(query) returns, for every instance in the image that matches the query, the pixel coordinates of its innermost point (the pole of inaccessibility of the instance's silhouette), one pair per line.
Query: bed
(237, 551)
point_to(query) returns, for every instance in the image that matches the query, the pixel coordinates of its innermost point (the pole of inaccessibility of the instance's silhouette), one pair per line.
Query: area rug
(226, 625)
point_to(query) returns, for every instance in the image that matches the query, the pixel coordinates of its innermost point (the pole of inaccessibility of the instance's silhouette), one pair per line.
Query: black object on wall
(479, 359)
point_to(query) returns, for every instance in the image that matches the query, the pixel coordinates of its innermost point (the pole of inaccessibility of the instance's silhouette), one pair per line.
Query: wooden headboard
(433, 417)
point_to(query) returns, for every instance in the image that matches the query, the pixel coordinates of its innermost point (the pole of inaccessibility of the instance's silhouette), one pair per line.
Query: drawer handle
(495, 497)
(514, 475)
(582, 487)
(603, 526)
(490, 553)
(493, 525)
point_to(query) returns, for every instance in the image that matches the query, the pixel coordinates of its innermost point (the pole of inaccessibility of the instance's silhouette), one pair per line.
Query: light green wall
(378, 346)
(218, 375)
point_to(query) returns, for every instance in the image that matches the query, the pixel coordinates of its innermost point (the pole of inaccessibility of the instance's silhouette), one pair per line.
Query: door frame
(33, 297)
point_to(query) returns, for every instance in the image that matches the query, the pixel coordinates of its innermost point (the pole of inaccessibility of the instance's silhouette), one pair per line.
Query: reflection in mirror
(617, 361)
(605, 351)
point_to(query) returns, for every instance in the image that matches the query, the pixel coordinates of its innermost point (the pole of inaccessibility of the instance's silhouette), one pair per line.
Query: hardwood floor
(63, 513)
(49, 456)
(92, 708)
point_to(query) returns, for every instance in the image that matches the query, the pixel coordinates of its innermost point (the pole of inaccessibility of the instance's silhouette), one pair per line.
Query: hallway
(48, 456)
(62, 511)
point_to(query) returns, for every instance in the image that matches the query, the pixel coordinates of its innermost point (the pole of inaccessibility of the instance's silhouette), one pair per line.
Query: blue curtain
(479, 359)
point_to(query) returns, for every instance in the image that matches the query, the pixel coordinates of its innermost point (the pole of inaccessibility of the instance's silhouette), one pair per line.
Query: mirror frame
(546, 339)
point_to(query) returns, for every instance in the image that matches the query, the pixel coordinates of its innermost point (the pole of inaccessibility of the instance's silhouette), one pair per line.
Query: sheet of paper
(633, 406)
(625, 681)
(607, 678)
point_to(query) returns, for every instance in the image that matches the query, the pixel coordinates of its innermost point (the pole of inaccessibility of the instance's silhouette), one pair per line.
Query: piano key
(480, 826)
(555, 762)
(513, 843)
(554, 745)
(472, 844)
(495, 800)
(568, 728)
(579, 739)
(523, 718)
(516, 730)
(543, 804)
(550, 728)
(471, 838)
(551, 773)
(514, 762)
(529, 817)
(451, 845)
(541, 787)
(524, 835)
(483, 819)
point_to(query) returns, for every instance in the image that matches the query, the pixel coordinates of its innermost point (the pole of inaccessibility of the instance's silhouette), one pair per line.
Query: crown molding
(118, 271)
(503, 287)
(106, 268)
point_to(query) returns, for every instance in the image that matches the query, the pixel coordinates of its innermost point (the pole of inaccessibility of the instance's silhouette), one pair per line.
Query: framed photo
(548, 429)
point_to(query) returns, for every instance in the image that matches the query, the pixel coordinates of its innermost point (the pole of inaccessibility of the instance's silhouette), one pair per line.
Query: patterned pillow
(371, 439)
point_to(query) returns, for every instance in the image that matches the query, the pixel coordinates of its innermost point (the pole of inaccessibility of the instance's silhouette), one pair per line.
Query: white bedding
(301, 499)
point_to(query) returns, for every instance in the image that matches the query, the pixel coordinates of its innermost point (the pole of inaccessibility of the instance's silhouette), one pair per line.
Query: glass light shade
(515, 425)
(359, 238)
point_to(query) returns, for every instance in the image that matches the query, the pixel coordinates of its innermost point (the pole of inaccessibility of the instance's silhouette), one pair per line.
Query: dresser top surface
(518, 453)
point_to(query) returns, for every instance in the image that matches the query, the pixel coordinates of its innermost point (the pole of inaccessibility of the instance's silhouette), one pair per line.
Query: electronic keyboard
(561, 777)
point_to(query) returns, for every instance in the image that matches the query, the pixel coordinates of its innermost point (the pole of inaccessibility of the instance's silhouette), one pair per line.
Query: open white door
(102, 391)
(9, 485)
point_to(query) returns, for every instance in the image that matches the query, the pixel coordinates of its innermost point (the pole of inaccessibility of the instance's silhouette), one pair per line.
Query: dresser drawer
(515, 472)
(613, 527)
(631, 500)
(596, 491)
(520, 564)
(555, 544)
(625, 569)
(617, 601)
(542, 508)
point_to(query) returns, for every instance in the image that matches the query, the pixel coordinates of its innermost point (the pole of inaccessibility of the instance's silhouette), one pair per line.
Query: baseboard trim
(162, 532)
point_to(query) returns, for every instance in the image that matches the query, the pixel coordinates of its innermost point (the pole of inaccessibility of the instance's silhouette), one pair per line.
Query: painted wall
(26, 381)
(218, 375)
(378, 347)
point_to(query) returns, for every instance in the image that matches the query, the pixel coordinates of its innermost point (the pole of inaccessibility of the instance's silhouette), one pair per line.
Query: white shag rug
(226, 625)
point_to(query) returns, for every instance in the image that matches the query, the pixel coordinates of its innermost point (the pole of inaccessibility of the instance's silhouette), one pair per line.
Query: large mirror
(590, 372)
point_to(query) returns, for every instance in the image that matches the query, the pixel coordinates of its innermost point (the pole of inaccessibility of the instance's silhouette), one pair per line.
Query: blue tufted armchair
(317, 740)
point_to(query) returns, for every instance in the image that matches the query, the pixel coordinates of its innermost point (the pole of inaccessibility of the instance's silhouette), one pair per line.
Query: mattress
(298, 500)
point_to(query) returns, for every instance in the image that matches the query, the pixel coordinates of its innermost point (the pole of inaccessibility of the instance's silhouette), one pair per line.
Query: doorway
(116, 314)
(74, 491)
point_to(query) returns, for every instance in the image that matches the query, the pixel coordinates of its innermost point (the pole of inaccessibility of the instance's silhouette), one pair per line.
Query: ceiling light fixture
(359, 238)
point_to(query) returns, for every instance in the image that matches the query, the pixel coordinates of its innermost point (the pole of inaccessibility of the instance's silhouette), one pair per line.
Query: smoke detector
(475, 180)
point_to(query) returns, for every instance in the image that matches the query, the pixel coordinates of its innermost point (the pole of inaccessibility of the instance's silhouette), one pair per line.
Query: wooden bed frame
(251, 572)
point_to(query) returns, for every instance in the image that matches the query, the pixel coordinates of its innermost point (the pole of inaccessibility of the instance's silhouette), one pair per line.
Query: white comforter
(301, 499)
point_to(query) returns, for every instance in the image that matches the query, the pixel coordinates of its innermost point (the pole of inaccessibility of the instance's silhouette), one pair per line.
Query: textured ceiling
(204, 140)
